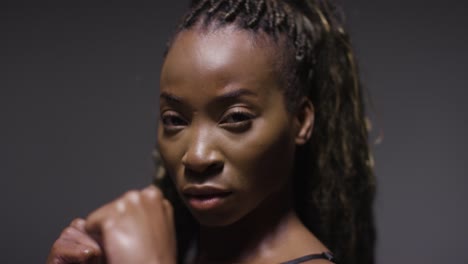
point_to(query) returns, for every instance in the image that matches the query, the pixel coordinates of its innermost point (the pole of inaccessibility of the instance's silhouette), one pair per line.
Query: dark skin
(135, 228)
(223, 125)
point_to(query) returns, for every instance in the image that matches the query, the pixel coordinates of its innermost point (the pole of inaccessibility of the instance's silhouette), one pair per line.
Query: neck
(257, 235)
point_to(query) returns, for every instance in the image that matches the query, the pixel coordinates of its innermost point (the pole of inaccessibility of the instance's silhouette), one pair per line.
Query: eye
(172, 120)
(237, 120)
(237, 117)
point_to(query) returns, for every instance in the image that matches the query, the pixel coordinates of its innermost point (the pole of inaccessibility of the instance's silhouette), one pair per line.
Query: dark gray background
(78, 93)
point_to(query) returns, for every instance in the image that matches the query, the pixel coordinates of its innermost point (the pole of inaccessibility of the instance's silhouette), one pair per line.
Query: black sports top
(325, 255)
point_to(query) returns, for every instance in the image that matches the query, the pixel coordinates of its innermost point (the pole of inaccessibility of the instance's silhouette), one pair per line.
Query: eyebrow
(170, 97)
(223, 97)
(236, 94)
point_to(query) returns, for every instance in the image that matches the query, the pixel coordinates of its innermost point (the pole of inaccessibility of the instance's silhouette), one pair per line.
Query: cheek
(264, 158)
(170, 150)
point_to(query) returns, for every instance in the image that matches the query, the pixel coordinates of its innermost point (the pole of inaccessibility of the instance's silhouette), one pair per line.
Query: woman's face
(224, 135)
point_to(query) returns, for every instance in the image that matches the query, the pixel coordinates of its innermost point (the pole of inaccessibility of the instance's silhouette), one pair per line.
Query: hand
(136, 228)
(75, 246)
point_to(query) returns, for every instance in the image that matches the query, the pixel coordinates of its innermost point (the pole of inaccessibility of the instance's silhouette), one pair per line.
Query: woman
(263, 139)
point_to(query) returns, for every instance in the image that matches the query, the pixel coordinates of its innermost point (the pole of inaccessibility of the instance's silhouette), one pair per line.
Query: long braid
(334, 184)
(190, 18)
(235, 8)
(260, 8)
(342, 136)
(214, 6)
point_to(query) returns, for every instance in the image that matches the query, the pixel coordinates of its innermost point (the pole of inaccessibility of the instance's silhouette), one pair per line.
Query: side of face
(223, 122)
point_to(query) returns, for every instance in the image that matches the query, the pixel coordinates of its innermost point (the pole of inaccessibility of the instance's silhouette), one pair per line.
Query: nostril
(202, 172)
(215, 168)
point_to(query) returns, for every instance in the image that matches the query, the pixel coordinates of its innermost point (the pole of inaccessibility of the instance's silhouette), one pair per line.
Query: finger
(78, 223)
(152, 192)
(156, 199)
(105, 217)
(67, 251)
(98, 220)
(169, 210)
(82, 239)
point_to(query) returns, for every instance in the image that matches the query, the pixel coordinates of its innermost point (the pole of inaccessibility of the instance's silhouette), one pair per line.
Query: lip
(205, 197)
(200, 190)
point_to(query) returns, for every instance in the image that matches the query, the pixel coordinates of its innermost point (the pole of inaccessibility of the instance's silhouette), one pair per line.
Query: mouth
(204, 197)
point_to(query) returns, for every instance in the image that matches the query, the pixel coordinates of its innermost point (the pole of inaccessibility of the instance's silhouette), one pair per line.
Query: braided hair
(334, 184)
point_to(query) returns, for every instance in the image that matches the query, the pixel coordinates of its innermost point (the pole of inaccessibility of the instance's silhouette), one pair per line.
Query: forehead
(224, 54)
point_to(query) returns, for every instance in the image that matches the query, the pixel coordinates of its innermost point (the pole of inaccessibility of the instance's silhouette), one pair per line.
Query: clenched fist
(136, 228)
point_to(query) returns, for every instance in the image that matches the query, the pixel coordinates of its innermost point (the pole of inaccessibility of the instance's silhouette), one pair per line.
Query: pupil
(238, 117)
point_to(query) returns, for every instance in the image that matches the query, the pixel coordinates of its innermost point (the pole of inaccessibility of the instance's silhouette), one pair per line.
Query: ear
(304, 121)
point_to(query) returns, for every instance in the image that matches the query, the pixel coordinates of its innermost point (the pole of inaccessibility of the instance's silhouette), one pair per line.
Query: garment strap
(325, 255)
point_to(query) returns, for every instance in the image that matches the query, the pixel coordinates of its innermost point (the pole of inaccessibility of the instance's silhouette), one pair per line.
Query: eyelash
(234, 120)
(230, 119)
(168, 120)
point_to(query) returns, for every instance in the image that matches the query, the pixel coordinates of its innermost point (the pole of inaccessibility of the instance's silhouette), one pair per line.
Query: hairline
(283, 60)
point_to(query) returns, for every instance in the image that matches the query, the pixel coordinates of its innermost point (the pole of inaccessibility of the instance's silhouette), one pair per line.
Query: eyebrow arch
(170, 97)
(226, 96)
(235, 94)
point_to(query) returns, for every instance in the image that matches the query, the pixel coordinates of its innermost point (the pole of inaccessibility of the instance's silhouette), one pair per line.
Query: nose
(202, 156)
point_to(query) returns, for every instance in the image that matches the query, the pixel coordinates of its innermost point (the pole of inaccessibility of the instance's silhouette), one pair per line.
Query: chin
(216, 211)
(214, 219)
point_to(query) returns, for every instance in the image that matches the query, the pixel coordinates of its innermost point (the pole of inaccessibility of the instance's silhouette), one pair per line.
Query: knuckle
(120, 206)
(95, 220)
(92, 217)
(68, 231)
(153, 193)
(108, 224)
(76, 222)
(132, 196)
